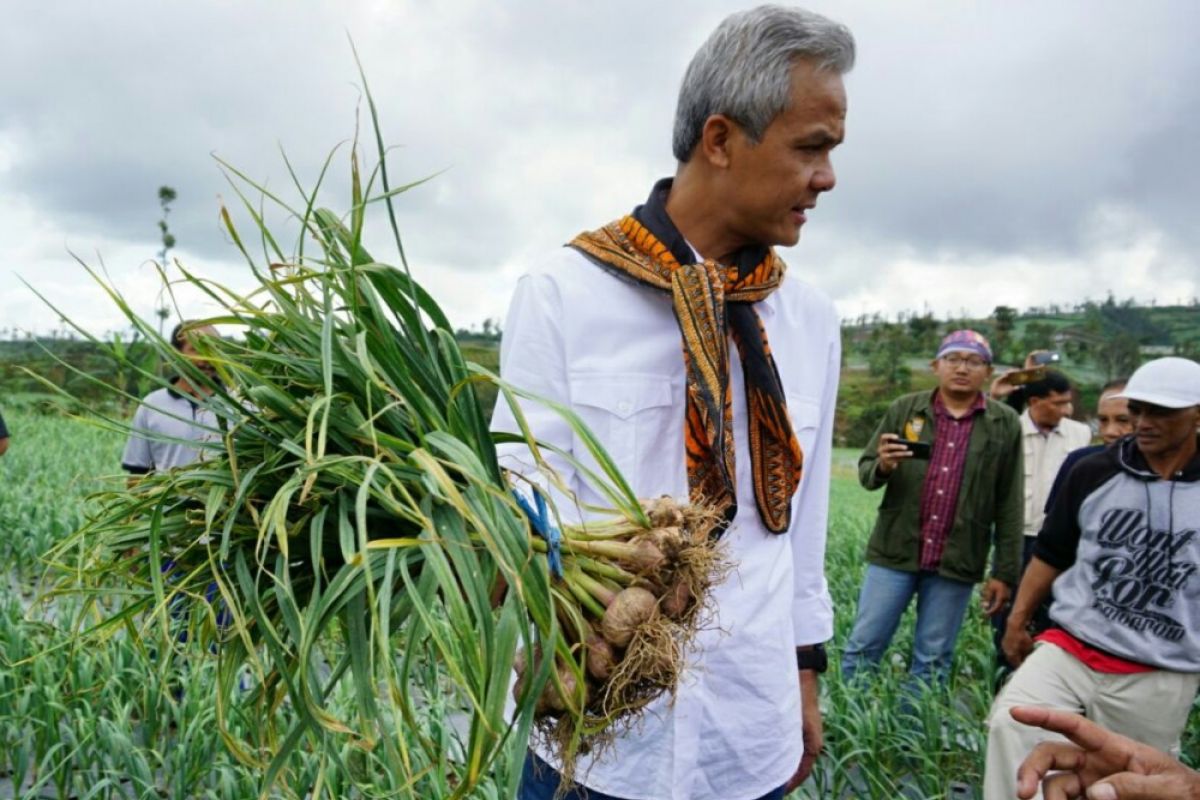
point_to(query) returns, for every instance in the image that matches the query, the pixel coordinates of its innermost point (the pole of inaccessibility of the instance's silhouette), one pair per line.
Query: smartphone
(1047, 357)
(918, 449)
(1021, 377)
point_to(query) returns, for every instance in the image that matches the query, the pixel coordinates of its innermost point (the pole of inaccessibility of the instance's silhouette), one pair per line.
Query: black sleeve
(1059, 538)
(3, 429)
(1016, 399)
(1073, 458)
(134, 469)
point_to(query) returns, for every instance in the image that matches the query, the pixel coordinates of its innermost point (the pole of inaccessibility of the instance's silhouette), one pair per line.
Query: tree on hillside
(1037, 336)
(166, 196)
(886, 353)
(923, 333)
(1118, 356)
(1188, 348)
(1005, 318)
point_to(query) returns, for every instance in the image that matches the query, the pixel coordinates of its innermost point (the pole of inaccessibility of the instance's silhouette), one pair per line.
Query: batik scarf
(713, 302)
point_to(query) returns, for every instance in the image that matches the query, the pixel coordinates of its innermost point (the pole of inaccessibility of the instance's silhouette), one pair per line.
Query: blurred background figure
(3, 436)
(170, 425)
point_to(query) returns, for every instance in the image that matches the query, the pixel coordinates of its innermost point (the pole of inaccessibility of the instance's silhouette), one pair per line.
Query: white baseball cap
(1168, 382)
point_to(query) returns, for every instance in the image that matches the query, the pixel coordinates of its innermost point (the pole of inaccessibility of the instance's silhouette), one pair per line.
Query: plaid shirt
(939, 494)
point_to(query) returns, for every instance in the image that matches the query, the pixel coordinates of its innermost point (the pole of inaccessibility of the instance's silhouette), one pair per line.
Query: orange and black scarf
(711, 303)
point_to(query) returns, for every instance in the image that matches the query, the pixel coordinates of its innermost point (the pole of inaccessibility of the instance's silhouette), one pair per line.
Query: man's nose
(824, 178)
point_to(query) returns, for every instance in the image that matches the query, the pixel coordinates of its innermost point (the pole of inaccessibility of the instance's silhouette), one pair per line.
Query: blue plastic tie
(539, 520)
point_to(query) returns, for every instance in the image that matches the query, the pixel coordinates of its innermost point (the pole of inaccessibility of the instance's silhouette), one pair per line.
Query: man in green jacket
(950, 462)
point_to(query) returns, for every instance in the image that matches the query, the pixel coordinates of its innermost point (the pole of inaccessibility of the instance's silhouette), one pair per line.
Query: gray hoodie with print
(1129, 544)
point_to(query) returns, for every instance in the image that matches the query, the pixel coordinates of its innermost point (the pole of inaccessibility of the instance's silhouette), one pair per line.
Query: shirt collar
(939, 407)
(765, 307)
(175, 394)
(1030, 428)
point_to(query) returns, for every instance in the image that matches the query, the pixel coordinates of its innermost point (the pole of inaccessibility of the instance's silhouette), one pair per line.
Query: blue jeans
(941, 605)
(539, 781)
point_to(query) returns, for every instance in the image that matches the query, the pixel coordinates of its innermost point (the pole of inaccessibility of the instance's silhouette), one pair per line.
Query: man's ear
(715, 139)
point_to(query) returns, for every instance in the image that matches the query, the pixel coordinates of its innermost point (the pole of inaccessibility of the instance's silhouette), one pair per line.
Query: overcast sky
(997, 152)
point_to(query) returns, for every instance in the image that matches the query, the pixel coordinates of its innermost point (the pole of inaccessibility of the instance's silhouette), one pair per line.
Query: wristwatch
(812, 657)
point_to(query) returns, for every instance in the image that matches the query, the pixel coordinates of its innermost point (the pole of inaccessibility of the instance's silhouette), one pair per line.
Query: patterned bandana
(711, 303)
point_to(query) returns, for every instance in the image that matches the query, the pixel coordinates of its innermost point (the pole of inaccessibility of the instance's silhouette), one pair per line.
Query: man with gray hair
(599, 326)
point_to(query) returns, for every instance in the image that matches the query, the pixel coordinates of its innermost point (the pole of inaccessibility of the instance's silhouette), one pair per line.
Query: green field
(116, 720)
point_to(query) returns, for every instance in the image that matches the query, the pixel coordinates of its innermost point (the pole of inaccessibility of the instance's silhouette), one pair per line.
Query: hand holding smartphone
(894, 449)
(1020, 377)
(1045, 357)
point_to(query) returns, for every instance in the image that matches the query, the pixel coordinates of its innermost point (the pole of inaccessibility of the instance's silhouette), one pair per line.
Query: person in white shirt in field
(707, 372)
(172, 426)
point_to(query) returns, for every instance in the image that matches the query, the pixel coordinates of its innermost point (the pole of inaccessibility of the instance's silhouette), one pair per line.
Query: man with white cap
(1121, 547)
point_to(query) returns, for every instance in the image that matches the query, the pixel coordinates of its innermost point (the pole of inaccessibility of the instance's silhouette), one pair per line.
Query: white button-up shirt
(612, 351)
(169, 429)
(1044, 455)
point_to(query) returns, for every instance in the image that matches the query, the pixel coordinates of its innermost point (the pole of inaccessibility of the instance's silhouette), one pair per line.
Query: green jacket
(990, 501)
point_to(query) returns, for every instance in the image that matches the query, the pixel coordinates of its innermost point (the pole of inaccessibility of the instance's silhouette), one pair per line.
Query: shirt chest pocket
(639, 421)
(805, 414)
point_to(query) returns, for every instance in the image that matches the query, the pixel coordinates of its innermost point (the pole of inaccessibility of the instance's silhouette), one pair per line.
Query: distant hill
(882, 357)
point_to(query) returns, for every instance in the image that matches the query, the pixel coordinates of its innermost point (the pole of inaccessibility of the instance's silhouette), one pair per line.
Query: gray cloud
(978, 133)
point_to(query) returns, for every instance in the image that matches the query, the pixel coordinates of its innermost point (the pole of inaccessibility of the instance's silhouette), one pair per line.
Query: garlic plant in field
(350, 526)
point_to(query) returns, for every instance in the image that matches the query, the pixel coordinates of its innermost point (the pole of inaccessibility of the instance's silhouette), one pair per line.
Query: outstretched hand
(1097, 764)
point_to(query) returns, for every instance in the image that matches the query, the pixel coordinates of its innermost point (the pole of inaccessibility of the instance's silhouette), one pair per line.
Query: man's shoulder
(568, 274)
(158, 397)
(1003, 412)
(912, 401)
(1075, 456)
(556, 262)
(1095, 466)
(160, 401)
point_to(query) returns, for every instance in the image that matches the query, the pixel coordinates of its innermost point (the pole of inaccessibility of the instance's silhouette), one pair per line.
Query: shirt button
(623, 406)
(935, 517)
(940, 491)
(945, 469)
(949, 444)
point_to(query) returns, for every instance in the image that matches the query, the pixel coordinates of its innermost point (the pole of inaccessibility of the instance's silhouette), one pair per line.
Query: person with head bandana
(949, 462)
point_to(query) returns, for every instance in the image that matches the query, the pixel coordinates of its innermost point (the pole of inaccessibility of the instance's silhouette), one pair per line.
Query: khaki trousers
(1151, 707)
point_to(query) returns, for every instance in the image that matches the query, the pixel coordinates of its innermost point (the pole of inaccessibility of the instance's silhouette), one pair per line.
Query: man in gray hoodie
(1121, 547)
